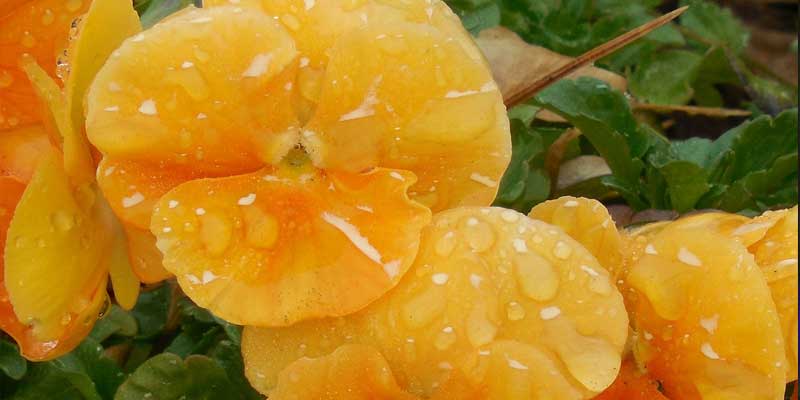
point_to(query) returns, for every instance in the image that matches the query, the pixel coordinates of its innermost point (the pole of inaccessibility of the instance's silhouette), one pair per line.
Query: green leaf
(83, 374)
(476, 15)
(168, 377)
(152, 310)
(666, 77)
(604, 117)
(715, 24)
(116, 322)
(150, 12)
(11, 362)
(686, 184)
(526, 144)
(228, 354)
(755, 145)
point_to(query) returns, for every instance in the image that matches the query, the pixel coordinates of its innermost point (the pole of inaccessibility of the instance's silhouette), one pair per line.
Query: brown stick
(590, 56)
(692, 110)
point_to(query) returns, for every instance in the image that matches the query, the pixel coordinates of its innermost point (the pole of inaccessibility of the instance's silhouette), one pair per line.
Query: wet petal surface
(495, 302)
(277, 246)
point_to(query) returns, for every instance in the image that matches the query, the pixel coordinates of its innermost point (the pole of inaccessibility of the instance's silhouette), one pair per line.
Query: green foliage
(166, 346)
(751, 167)
(152, 11)
(679, 63)
(11, 362)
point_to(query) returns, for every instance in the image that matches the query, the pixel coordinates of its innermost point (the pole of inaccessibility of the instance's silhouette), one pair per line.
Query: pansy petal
(55, 254)
(588, 222)
(123, 279)
(776, 254)
(39, 28)
(198, 101)
(495, 302)
(283, 245)
(404, 96)
(352, 372)
(146, 260)
(707, 326)
(133, 188)
(369, 64)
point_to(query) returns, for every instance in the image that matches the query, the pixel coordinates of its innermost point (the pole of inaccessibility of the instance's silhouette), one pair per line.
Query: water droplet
(562, 250)
(63, 220)
(6, 79)
(536, 276)
(422, 309)
(215, 233)
(201, 55)
(73, 5)
(28, 40)
(480, 329)
(66, 319)
(261, 229)
(48, 17)
(479, 235)
(445, 245)
(515, 311)
(444, 339)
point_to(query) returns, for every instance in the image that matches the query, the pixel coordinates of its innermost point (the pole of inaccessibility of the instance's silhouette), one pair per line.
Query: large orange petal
(707, 326)
(404, 96)
(352, 372)
(317, 26)
(133, 188)
(510, 307)
(397, 84)
(288, 244)
(39, 28)
(198, 101)
(55, 267)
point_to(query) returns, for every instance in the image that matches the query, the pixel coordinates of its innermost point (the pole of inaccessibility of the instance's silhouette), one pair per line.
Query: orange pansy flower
(288, 176)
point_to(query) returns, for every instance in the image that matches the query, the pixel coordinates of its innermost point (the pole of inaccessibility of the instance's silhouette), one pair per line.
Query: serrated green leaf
(11, 362)
(604, 117)
(168, 377)
(715, 24)
(755, 145)
(666, 77)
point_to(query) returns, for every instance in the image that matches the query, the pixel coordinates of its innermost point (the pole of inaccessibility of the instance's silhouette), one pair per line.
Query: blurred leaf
(666, 77)
(229, 356)
(11, 362)
(152, 310)
(116, 322)
(715, 24)
(85, 374)
(168, 377)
